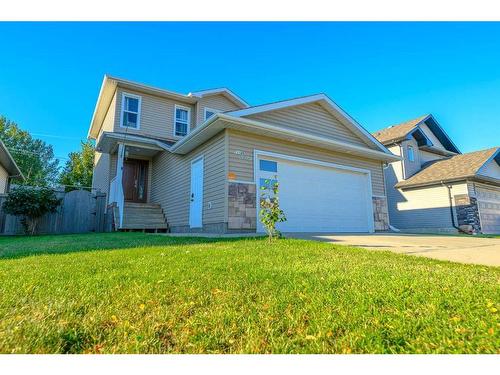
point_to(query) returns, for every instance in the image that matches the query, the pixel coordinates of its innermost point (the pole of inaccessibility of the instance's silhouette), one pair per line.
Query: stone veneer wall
(242, 212)
(467, 213)
(380, 213)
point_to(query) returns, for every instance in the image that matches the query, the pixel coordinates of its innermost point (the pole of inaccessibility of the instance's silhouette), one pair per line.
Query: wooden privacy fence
(80, 211)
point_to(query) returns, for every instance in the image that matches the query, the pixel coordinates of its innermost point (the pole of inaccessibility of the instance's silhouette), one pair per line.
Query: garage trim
(257, 153)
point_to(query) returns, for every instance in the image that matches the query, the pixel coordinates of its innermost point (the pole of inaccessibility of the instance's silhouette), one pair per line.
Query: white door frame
(192, 222)
(257, 153)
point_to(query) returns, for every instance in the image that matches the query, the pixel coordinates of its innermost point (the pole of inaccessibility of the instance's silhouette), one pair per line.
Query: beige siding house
(197, 162)
(8, 169)
(435, 188)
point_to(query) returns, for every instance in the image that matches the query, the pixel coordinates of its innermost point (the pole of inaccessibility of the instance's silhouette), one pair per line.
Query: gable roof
(327, 103)
(456, 168)
(8, 162)
(220, 121)
(400, 132)
(109, 85)
(221, 90)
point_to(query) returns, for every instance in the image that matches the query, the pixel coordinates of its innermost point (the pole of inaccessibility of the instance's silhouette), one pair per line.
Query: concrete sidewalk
(462, 249)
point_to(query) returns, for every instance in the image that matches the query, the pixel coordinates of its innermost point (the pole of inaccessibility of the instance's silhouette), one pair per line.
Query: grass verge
(138, 293)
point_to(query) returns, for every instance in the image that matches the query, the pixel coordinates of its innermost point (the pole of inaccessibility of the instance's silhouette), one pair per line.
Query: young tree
(31, 203)
(77, 172)
(34, 157)
(270, 212)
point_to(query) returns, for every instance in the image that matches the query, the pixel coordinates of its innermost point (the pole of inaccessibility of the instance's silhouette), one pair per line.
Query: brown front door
(135, 180)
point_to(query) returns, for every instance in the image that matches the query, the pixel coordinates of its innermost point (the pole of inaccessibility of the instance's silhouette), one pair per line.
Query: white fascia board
(311, 99)
(490, 159)
(441, 128)
(129, 138)
(276, 105)
(105, 86)
(152, 90)
(10, 164)
(222, 90)
(196, 137)
(107, 91)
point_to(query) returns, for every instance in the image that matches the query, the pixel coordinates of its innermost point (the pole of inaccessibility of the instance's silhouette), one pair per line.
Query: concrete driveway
(475, 250)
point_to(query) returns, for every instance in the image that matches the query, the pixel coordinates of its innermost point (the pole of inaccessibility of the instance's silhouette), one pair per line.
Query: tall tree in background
(78, 169)
(34, 157)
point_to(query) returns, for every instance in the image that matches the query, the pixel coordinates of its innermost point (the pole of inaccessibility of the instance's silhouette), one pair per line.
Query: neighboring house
(196, 162)
(8, 169)
(436, 188)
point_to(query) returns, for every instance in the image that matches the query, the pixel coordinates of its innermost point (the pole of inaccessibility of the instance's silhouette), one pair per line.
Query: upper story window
(411, 154)
(181, 122)
(209, 112)
(131, 111)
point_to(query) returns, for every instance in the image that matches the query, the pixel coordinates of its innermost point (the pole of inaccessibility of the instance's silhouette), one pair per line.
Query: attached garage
(318, 196)
(488, 202)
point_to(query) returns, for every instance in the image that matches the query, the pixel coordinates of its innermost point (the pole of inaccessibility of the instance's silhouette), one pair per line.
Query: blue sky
(380, 73)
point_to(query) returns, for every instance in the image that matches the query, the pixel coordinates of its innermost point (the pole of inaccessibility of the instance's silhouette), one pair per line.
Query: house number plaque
(242, 155)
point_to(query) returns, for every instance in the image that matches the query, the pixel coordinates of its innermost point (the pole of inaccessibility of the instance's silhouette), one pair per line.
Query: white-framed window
(182, 118)
(131, 111)
(209, 112)
(411, 154)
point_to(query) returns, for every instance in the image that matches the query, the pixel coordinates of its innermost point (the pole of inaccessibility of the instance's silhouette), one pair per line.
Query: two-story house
(436, 188)
(196, 162)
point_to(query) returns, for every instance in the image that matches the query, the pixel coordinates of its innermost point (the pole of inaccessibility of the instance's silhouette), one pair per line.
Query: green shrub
(31, 203)
(270, 212)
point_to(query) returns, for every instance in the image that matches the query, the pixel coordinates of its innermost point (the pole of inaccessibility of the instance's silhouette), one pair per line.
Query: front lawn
(139, 293)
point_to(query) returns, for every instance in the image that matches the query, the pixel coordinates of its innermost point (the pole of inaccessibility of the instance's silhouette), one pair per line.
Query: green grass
(139, 293)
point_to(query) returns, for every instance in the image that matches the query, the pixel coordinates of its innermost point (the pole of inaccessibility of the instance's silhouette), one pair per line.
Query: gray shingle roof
(398, 131)
(457, 167)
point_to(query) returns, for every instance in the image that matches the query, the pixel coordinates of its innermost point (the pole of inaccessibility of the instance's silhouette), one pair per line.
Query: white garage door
(319, 198)
(488, 201)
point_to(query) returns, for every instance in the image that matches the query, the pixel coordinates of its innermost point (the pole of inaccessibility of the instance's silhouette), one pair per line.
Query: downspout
(451, 209)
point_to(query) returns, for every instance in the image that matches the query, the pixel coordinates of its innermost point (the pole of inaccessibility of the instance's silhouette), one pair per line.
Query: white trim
(441, 128)
(276, 105)
(417, 126)
(242, 181)
(214, 111)
(221, 90)
(130, 139)
(104, 85)
(122, 110)
(17, 172)
(195, 160)
(108, 89)
(120, 199)
(490, 159)
(188, 128)
(297, 135)
(371, 220)
(311, 99)
(306, 161)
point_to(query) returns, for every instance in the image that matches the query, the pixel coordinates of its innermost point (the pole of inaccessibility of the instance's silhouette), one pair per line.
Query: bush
(31, 203)
(270, 212)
